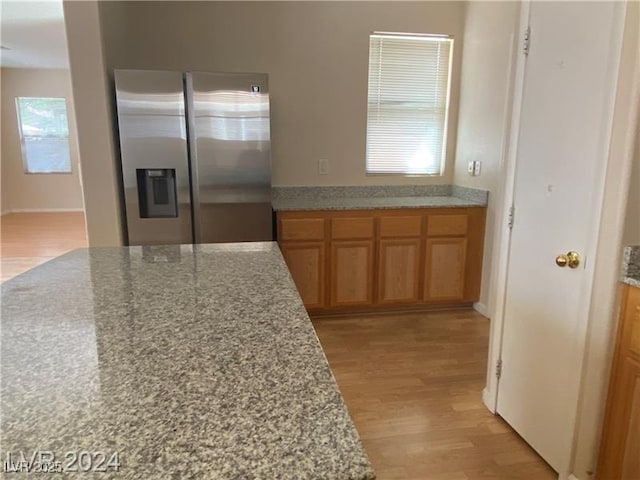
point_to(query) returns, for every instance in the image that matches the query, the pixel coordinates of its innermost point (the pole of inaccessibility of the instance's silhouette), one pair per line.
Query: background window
(44, 134)
(408, 99)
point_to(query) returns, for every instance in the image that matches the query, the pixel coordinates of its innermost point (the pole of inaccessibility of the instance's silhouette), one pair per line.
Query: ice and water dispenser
(157, 192)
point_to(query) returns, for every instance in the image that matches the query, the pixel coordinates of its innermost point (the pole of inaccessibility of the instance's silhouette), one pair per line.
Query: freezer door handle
(192, 157)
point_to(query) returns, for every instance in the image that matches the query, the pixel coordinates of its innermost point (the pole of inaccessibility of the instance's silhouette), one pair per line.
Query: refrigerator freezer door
(230, 155)
(153, 138)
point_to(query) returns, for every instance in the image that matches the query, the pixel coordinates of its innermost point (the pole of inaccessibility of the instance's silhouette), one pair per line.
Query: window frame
(21, 136)
(447, 106)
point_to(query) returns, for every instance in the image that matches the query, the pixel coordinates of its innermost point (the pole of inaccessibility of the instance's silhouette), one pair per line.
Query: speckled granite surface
(361, 191)
(365, 197)
(281, 205)
(195, 362)
(631, 266)
(472, 194)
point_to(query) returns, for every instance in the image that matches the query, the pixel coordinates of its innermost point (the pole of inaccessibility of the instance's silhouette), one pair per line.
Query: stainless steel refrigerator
(195, 151)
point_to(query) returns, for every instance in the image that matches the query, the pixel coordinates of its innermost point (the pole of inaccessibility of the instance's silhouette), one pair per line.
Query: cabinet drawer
(443, 225)
(354, 227)
(302, 229)
(409, 226)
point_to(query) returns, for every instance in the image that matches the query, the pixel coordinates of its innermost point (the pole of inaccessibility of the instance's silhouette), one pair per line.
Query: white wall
(316, 54)
(22, 191)
(483, 118)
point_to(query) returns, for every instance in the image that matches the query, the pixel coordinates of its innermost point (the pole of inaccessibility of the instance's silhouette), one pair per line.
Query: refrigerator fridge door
(230, 144)
(155, 165)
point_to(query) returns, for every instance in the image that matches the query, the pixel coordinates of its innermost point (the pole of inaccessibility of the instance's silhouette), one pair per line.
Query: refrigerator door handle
(193, 157)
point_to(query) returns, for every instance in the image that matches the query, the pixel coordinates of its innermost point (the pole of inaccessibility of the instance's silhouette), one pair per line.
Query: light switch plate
(323, 166)
(471, 168)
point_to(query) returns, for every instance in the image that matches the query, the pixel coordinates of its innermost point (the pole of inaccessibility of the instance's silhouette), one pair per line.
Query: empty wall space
(36, 192)
(483, 120)
(632, 222)
(316, 55)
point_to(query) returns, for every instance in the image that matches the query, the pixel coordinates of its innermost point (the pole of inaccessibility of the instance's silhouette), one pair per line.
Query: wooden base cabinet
(445, 266)
(399, 271)
(351, 273)
(306, 262)
(368, 260)
(620, 447)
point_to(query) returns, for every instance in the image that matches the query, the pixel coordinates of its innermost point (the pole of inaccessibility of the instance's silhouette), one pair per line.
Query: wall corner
(93, 111)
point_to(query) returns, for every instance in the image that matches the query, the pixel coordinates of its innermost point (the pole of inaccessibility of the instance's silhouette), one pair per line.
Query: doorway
(568, 76)
(42, 203)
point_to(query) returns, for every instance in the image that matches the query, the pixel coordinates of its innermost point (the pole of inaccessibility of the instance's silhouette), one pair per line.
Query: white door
(561, 153)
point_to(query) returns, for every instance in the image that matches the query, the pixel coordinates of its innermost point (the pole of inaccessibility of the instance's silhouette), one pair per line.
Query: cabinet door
(620, 457)
(620, 446)
(445, 262)
(306, 264)
(399, 270)
(631, 452)
(351, 273)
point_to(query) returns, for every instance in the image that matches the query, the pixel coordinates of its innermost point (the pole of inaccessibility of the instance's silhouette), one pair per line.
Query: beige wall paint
(92, 102)
(316, 54)
(632, 222)
(22, 191)
(483, 119)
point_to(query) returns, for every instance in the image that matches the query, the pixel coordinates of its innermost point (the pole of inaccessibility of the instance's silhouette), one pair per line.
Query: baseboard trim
(385, 310)
(487, 399)
(481, 308)
(42, 210)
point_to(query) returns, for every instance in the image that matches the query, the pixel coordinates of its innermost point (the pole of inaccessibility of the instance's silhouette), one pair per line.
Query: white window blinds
(409, 78)
(44, 134)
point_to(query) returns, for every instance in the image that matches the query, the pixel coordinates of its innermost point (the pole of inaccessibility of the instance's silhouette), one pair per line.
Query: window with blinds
(408, 100)
(44, 134)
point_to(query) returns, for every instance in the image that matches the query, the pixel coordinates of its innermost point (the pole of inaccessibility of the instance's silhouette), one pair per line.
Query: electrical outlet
(323, 166)
(476, 168)
(471, 168)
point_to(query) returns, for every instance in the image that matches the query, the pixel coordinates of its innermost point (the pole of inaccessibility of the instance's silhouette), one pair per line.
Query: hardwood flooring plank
(413, 384)
(30, 239)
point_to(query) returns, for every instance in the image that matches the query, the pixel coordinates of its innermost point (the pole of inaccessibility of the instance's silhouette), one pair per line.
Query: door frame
(605, 301)
(613, 171)
(502, 243)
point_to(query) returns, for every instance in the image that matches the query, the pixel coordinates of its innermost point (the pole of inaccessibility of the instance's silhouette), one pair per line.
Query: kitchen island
(170, 362)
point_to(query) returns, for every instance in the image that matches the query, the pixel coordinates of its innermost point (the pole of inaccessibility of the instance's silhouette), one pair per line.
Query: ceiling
(32, 34)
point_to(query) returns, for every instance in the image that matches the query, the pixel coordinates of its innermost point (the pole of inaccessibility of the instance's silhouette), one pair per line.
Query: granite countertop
(376, 197)
(189, 361)
(281, 205)
(631, 266)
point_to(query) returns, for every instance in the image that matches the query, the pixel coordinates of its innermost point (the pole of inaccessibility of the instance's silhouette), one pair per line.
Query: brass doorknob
(570, 259)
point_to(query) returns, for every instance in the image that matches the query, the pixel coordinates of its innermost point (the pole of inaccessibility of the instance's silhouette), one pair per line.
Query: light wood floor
(29, 239)
(413, 384)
